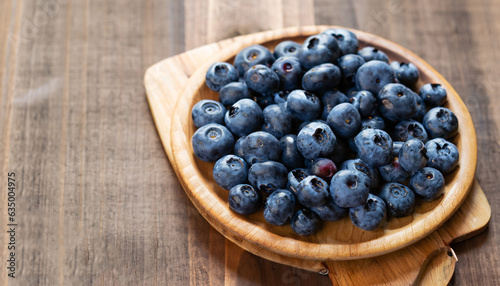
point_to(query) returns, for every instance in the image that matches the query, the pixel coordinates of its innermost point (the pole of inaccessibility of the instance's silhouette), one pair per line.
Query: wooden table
(97, 202)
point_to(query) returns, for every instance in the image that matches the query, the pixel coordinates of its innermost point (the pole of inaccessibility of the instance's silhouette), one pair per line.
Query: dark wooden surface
(97, 200)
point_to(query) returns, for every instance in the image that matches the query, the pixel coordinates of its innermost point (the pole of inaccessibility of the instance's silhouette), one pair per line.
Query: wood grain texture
(119, 216)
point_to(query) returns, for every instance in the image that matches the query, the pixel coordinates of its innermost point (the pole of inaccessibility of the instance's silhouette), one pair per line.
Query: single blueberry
(349, 188)
(212, 141)
(234, 91)
(374, 147)
(365, 102)
(268, 176)
(433, 94)
(262, 79)
(252, 55)
(359, 165)
(277, 120)
(303, 105)
(427, 183)
(373, 54)
(244, 117)
(312, 191)
(219, 74)
(370, 215)
(347, 40)
(318, 49)
(410, 129)
(323, 168)
(287, 49)
(397, 102)
(373, 76)
(244, 199)
(265, 100)
(344, 119)
(399, 199)
(440, 122)
(230, 171)
(291, 157)
(258, 147)
(321, 78)
(443, 155)
(349, 65)
(305, 222)
(289, 73)
(208, 111)
(393, 172)
(412, 155)
(316, 140)
(406, 73)
(280, 97)
(279, 207)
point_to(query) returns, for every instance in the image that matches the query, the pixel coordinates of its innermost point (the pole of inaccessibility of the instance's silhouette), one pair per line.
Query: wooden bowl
(338, 240)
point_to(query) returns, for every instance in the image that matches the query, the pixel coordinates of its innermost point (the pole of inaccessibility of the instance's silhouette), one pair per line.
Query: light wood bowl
(338, 240)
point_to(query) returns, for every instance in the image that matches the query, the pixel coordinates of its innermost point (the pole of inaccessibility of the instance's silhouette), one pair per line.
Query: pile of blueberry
(286, 119)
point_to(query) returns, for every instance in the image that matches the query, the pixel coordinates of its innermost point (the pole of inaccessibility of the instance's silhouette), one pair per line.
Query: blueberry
(230, 171)
(234, 91)
(344, 119)
(238, 148)
(258, 147)
(296, 176)
(396, 147)
(279, 207)
(374, 147)
(244, 199)
(244, 117)
(280, 97)
(365, 102)
(347, 40)
(316, 140)
(219, 74)
(393, 172)
(397, 102)
(373, 76)
(440, 122)
(318, 49)
(277, 121)
(373, 54)
(312, 191)
(375, 122)
(342, 152)
(411, 129)
(412, 155)
(359, 165)
(427, 183)
(208, 111)
(303, 105)
(262, 79)
(349, 188)
(370, 215)
(323, 168)
(330, 99)
(406, 73)
(305, 222)
(287, 49)
(321, 78)
(349, 65)
(330, 211)
(433, 94)
(212, 141)
(399, 199)
(268, 176)
(289, 73)
(265, 100)
(252, 55)
(442, 155)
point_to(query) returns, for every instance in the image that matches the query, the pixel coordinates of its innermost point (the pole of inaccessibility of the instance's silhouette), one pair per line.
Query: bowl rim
(229, 224)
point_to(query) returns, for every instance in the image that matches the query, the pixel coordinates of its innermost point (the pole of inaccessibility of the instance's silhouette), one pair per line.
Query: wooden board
(432, 251)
